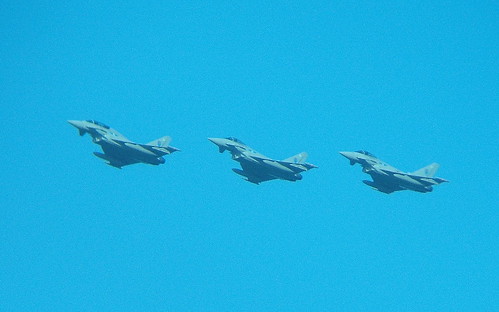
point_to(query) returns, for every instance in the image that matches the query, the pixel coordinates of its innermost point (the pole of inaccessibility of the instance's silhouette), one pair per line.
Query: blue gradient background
(413, 83)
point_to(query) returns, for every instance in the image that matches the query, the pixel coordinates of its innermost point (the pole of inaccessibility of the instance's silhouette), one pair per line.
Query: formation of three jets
(256, 168)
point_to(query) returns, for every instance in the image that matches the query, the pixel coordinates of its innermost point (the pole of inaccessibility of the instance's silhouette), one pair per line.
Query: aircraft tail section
(161, 142)
(428, 171)
(297, 159)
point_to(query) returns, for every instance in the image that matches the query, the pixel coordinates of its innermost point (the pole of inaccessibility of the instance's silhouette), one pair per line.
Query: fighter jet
(258, 168)
(120, 151)
(388, 179)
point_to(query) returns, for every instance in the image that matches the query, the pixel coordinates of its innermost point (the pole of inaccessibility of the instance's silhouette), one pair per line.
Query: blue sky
(412, 82)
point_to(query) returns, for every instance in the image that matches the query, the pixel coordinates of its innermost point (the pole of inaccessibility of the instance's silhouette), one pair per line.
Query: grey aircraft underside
(258, 168)
(120, 151)
(388, 179)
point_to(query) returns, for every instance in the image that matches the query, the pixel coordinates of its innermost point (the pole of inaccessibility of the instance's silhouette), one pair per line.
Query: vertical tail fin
(428, 171)
(298, 158)
(161, 142)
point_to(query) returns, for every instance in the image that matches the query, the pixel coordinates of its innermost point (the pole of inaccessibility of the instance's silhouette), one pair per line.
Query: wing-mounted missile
(247, 177)
(110, 160)
(379, 188)
(240, 172)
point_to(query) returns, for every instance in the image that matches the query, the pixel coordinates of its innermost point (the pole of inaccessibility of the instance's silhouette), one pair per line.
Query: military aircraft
(388, 179)
(120, 151)
(258, 168)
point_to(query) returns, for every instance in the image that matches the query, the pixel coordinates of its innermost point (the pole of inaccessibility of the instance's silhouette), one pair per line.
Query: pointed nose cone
(351, 156)
(76, 123)
(220, 143)
(348, 155)
(217, 141)
(79, 125)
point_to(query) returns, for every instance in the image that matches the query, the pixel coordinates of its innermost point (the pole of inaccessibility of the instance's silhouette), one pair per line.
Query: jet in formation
(258, 168)
(388, 179)
(120, 151)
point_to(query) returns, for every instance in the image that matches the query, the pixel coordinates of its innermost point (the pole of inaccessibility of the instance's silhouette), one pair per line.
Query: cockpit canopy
(98, 123)
(366, 153)
(235, 140)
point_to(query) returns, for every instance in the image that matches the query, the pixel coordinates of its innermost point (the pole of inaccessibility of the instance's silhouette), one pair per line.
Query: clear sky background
(413, 83)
